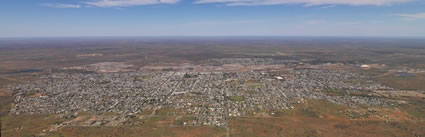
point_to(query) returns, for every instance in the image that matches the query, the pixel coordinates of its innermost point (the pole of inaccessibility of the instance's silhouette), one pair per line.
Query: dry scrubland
(315, 118)
(320, 118)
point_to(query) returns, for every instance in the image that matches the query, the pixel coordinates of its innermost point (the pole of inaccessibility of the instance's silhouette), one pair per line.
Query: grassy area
(236, 98)
(254, 84)
(147, 77)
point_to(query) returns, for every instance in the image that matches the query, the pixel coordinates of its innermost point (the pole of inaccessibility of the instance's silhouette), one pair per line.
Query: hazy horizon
(100, 18)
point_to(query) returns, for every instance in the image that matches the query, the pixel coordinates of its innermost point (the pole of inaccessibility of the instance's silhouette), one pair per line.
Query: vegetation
(254, 84)
(236, 98)
(147, 77)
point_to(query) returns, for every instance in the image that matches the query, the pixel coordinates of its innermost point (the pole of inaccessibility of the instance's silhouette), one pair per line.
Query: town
(210, 97)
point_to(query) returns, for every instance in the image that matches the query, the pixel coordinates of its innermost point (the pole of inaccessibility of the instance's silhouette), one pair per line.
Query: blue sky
(76, 18)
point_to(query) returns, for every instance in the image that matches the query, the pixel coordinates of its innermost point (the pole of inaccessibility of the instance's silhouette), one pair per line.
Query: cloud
(304, 2)
(412, 16)
(127, 3)
(61, 5)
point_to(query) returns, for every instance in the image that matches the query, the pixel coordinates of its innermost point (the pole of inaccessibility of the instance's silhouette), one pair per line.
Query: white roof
(364, 66)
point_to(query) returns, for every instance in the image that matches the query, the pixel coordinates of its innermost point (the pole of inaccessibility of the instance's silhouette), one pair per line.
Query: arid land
(238, 86)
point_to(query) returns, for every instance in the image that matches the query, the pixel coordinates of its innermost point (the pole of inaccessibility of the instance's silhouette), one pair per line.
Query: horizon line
(207, 36)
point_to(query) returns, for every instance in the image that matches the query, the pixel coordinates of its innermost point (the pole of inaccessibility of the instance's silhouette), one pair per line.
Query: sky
(94, 18)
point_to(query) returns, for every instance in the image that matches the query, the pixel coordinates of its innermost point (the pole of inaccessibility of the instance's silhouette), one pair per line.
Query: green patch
(147, 77)
(30, 93)
(254, 84)
(250, 91)
(236, 98)
(361, 94)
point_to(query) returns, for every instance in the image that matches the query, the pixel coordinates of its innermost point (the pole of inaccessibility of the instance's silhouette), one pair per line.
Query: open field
(302, 127)
(324, 119)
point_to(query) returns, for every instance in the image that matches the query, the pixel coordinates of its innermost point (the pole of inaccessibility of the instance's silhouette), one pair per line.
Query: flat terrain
(230, 84)
(319, 118)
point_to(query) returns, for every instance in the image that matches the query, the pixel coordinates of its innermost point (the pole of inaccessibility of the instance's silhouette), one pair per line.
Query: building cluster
(210, 97)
